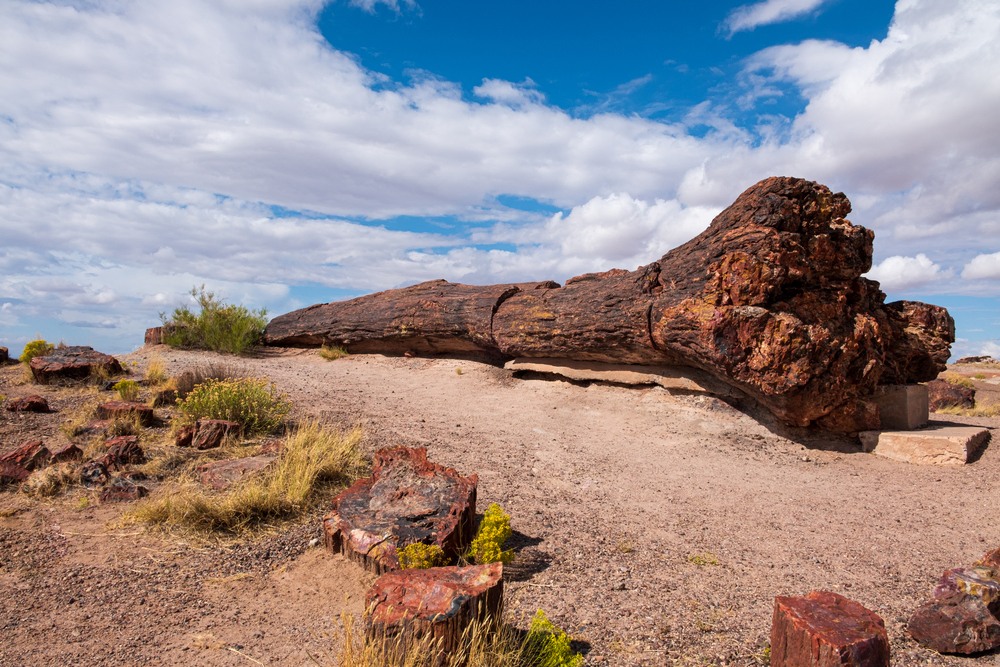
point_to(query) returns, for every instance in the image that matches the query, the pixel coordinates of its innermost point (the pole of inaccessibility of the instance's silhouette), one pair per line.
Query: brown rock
(33, 403)
(824, 629)
(4, 355)
(94, 473)
(769, 299)
(220, 474)
(119, 489)
(955, 623)
(30, 456)
(124, 409)
(72, 363)
(942, 394)
(164, 397)
(123, 451)
(67, 453)
(11, 473)
(275, 447)
(438, 603)
(185, 436)
(210, 433)
(407, 499)
(985, 359)
(980, 582)
(154, 336)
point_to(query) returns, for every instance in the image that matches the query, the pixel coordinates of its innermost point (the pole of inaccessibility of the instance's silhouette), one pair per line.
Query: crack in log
(496, 306)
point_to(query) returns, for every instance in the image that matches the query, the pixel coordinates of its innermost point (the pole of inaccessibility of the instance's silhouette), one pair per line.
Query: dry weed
(156, 372)
(51, 480)
(74, 426)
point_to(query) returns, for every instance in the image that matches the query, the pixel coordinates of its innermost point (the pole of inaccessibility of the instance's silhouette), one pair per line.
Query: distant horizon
(291, 152)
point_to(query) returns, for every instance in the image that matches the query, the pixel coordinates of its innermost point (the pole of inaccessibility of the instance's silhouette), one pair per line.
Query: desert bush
(420, 556)
(254, 404)
(317, 460)
(156, 372)
(130, 424)
(218, 326)
(36, 348)
(128, 390)
(958, 379)
(332, 352)
(493, 531)
(548, 646)
(185, 383)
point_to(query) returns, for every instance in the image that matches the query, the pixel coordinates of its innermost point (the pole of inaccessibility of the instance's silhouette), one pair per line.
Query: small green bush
(128, 390)
(494, 530)
(220, 327)
(36, 348)
(548, 646)
(255, 404)
(419, 556)
(332, 352)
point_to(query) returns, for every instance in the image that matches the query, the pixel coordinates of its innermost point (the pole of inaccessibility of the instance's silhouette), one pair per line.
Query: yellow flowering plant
(494, 530)
(419, 556)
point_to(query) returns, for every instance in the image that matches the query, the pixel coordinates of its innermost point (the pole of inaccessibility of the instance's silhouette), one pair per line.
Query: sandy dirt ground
(654, 528)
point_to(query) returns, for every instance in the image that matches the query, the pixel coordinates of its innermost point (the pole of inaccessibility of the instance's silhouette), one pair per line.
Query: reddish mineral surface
(824, 629)
(72, 363)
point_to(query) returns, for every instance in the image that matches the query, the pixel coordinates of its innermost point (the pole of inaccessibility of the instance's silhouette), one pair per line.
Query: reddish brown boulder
(955, 623)
(33, 403)
(824, 629)
(220, 474)
(438, 603)
(211, 432)
(125, 409)
(31, 455)
(185, 435)
(67, 453)
(72, 363)
(123, 451)
(769, 299)
(942, 394)
(407, 499)
(11, 473)
(119, 489)
(154, 336)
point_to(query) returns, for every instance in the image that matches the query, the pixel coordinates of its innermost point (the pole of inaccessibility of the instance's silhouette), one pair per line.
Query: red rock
(67, 453)
(11, 473)
(30, 456)
(942, 394)
(439, 602)
(123, 451)
(990, 559)
(94, 473)
(770, 299)
(407, 499)
(33, 403)
(124, 409)
(154, 336)
(185, 435)
(977, 360)
(824, 629)
(133, 475)
(978, 581)
(955, 623)
(119, 489)
(220, 474)
(72, 363)
(211, 432)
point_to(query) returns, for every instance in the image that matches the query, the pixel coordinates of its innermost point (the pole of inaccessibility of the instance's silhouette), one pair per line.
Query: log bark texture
(769, 299)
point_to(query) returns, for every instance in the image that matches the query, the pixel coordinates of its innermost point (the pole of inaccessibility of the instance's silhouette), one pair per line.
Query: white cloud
(983, 267)
(748, 17)
(992, 349)
(369, 5)
(897, 274)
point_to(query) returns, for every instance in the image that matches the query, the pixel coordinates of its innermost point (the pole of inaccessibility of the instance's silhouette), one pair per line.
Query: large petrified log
(769, 299)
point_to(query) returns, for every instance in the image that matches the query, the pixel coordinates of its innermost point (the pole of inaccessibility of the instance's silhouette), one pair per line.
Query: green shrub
(36, 348)
(128, 390)
(548, 646)
(221, 327)
(254, 404)
(420, 556)
(332, 352)
(494, 530)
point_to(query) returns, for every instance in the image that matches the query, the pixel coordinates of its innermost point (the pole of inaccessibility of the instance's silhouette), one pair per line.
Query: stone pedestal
(941, 443)
(903, 407)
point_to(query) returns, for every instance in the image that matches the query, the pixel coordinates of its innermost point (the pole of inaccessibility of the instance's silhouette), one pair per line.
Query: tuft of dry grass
(73, 426)
(130, 424)
(958, 379)
(332, 352)
(316, 460)
(156, 372)
(988, 410)
(51, 480)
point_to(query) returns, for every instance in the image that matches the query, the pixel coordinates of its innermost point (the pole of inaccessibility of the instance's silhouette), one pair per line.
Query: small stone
(121, 489)
(955, 623)
(93, 474)
(124, 409)
(275, 447)
(30, 456)
(95, 427)
(33, 403)
(185, 435)
(123, 451)
(980, 582)
(824, 629)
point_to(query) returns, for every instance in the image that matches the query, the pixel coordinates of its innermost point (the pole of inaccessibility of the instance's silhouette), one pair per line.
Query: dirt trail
(653, 528)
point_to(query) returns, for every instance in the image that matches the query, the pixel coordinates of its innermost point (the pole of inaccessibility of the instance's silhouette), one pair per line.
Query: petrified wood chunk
(434, 604)
(30, 456)
(942, 394)
(955, 623)
(769, 299)
(824, 629)
(407, 499)
(72, 363)
(125, 409)
(11, 473)
(33, 403)
(67, 453)
(123, 451)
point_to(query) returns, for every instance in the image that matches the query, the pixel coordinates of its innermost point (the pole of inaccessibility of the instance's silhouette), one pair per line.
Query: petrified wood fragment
(943, 394)
(955, 623)
(407, 499)
(824, 629)
(72, 363)
(769, 299)
(126, 409)
(435, 605)
(33, 403)
(30, 456)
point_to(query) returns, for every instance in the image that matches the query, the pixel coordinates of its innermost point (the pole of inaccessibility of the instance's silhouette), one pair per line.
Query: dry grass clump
(332, 352)
(958, 379)
(316, 460)
(156, 372)
(988, 410)
(130, 424)
(51, 480)
(74, 426)
(185, 383)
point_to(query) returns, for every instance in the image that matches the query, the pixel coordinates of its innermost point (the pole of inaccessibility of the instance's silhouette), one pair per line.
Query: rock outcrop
(72, 363)
(942, 394)
(769, 299)
(30, 456)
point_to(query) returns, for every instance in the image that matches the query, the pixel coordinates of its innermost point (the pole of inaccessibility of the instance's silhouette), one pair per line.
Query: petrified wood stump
(824, 629)
(72, 363)
(435, 605)
(769, 299)
(407, 499)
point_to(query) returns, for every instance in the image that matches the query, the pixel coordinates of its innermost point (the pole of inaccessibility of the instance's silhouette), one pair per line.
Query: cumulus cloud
(983, 267)
(748, 17)
(897, 274)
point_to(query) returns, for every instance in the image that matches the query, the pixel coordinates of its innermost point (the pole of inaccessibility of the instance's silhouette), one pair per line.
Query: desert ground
(654, 528)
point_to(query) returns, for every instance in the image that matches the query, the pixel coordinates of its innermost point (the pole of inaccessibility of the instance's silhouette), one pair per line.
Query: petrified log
(30, 456)
(943, 394)
(769, 299)
(824, 629)
(407, 499)
(72, 363)
(126, 409)
(33, 403)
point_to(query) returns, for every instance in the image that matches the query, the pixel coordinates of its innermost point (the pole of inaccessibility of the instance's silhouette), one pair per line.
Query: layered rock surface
(72, 363)
(769, 299)
(824, 629)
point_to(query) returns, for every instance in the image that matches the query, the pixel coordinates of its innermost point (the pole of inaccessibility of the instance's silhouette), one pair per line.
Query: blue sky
(288, 152)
